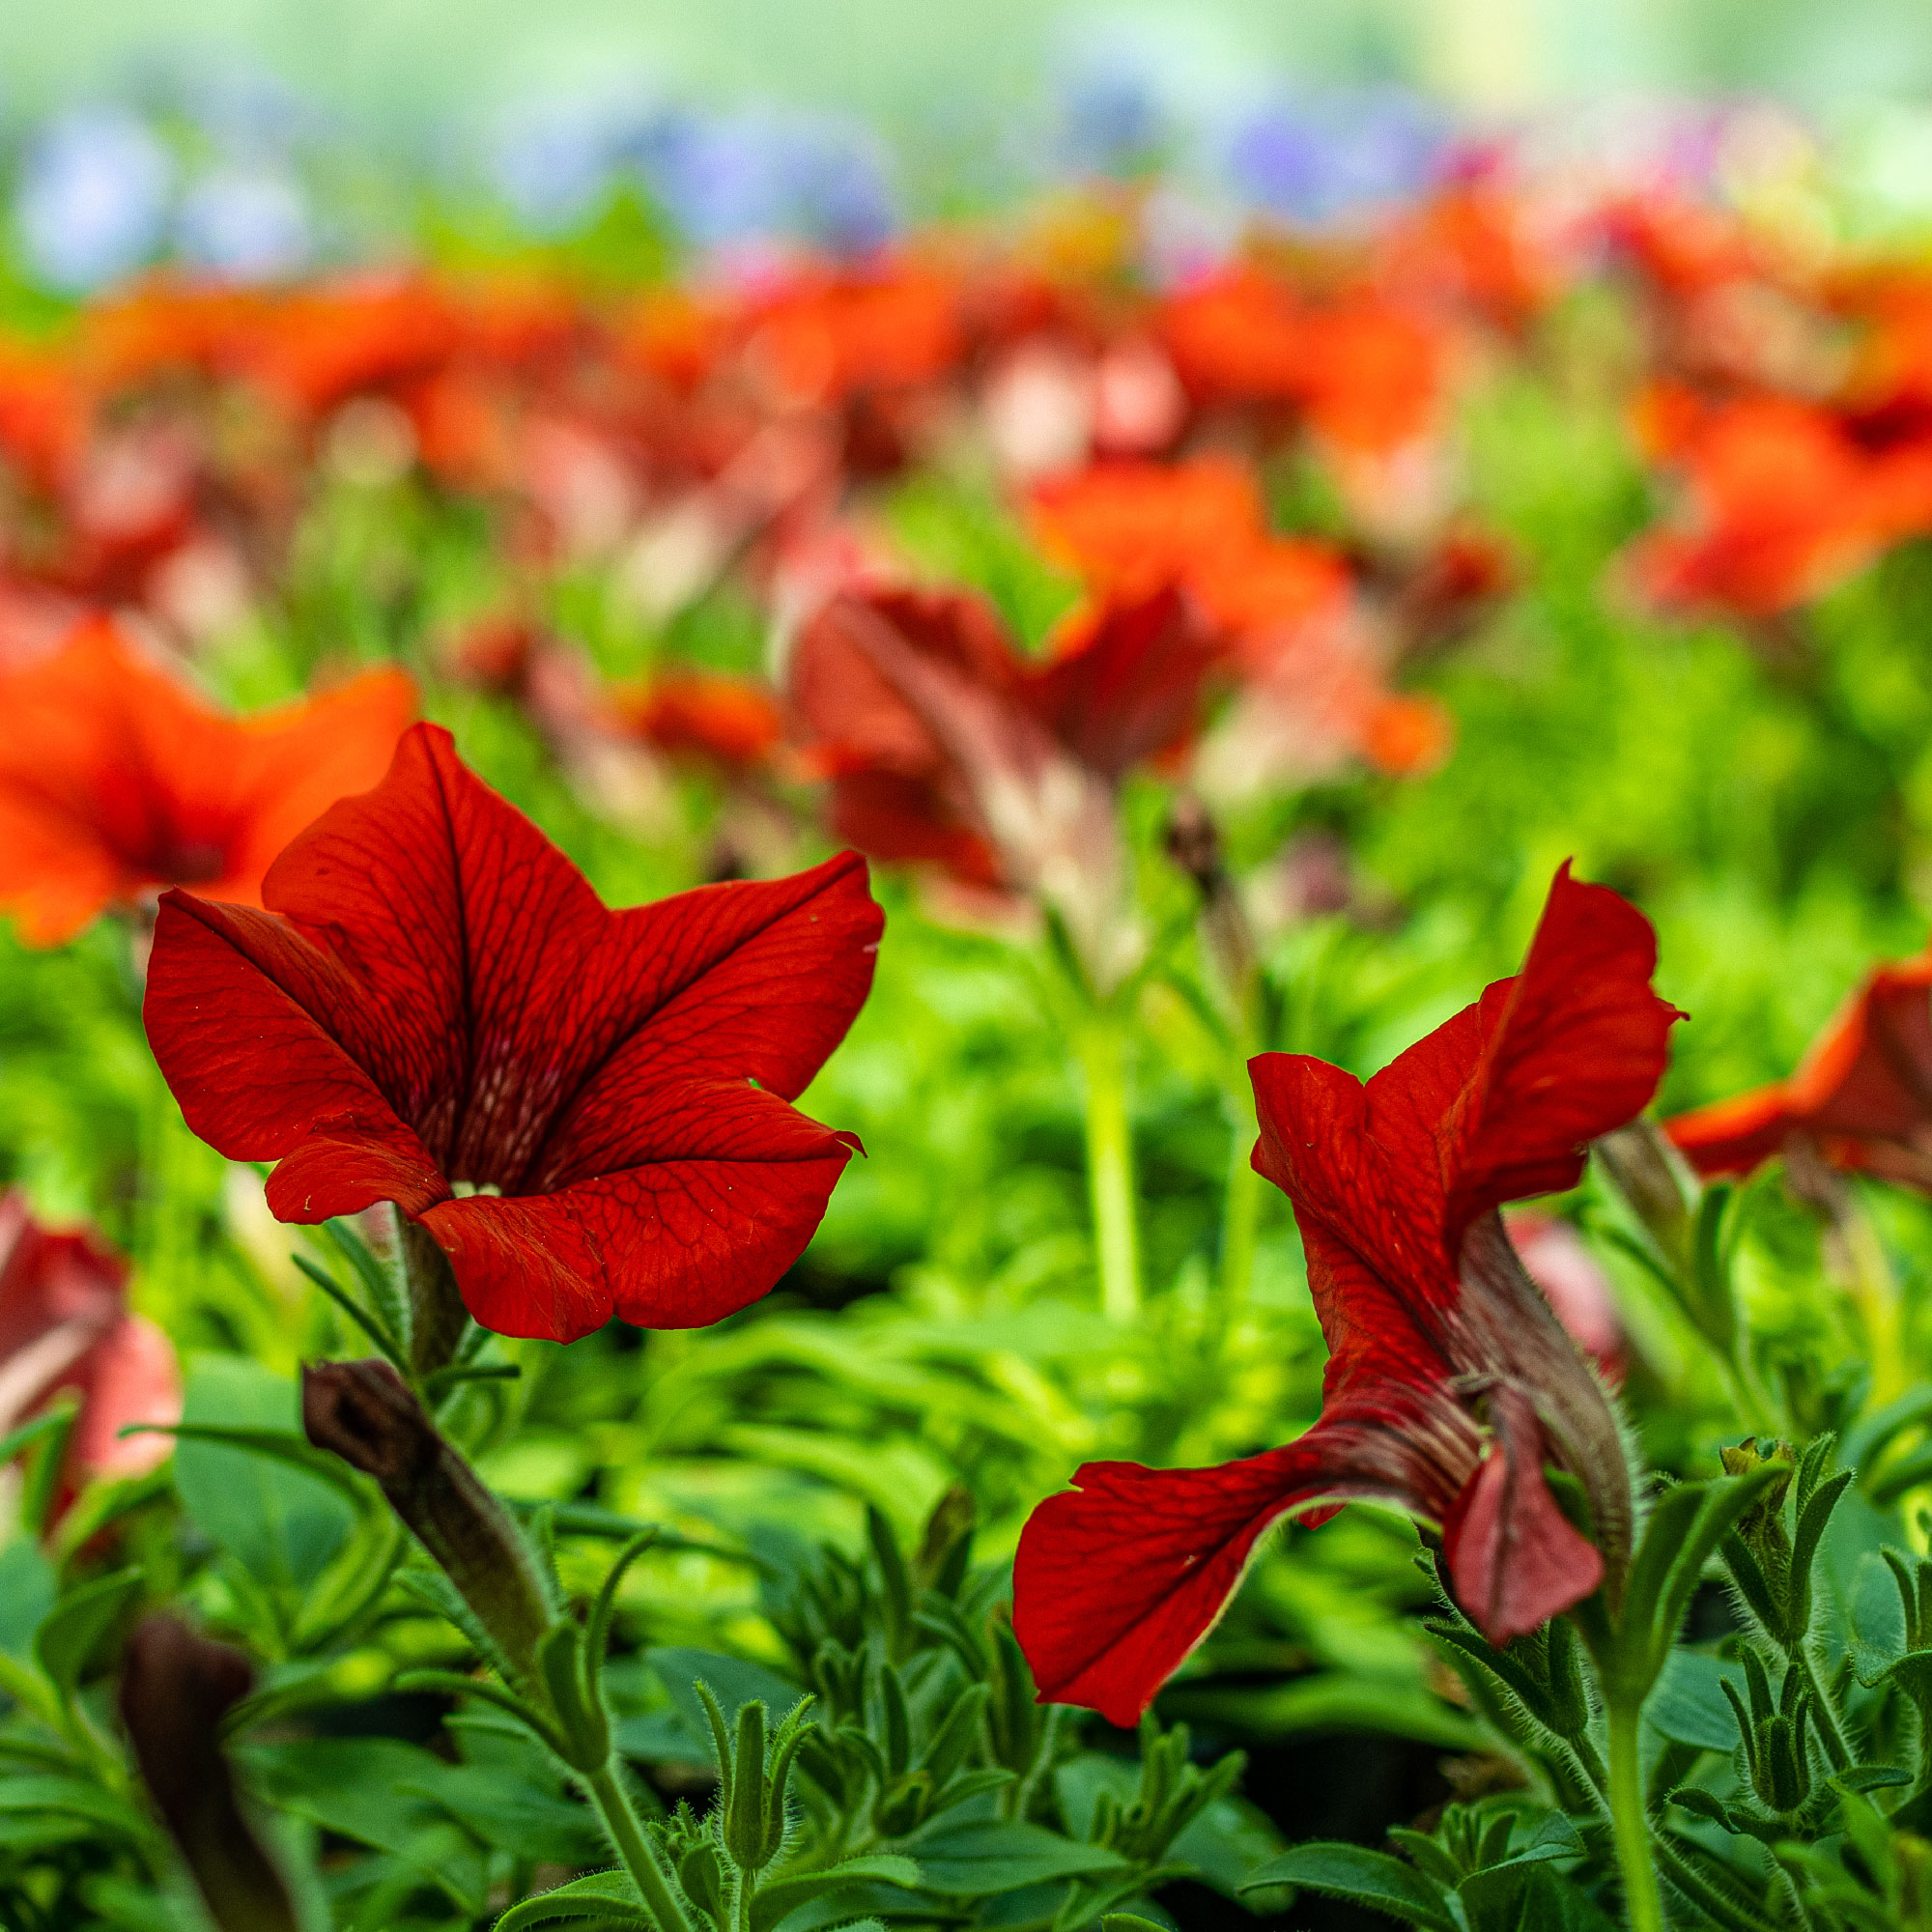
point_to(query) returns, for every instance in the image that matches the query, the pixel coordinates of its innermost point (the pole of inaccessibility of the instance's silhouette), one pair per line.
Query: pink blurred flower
(64, 1325)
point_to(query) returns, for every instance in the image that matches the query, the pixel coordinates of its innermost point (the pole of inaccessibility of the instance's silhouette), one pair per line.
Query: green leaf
(275, 1515)
(787, 1891)
(74, 1628)
(734, 1683)
(28, 1587)
(73, 1798)
(1689, 1705)
(978, 1858)
(1366, 1878)
(609, 1895)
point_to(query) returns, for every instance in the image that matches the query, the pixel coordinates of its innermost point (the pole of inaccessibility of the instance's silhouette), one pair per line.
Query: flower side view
(946, 746)
(588, 1111)
(117, 780)
(1860, 1098)
(1450, 1382)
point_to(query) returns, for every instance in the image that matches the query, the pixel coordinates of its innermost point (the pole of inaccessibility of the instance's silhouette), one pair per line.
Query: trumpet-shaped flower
(1450, 1384)
(115, 780)
(589, 1110)
(1862, 1097)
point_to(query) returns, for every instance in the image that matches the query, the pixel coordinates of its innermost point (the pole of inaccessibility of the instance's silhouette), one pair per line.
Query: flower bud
(1653, 1178)
(176, 1687)
(364, 1412)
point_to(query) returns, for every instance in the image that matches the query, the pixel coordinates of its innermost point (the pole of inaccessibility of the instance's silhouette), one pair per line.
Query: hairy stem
(1110, 1169)
(1825, 1713)
(633, 1848)
(1630, 1821)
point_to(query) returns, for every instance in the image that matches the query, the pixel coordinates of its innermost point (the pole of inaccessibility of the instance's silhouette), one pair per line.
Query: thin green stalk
(1874, 1290)
(1110, 1170)
(1824, 1713)
(633, 1848)
(1241, 1214)
(1630, 1821)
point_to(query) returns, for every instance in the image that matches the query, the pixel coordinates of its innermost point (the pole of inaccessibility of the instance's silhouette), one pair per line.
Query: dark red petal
(760, 978)
(345, 1164)
(239, 1012)
(1359, 1189)
(1869, 1075)
(1133, 684)
(467, 931)
(1575, 1047)
(1515, 1559)
(1734, 1136)
(722, 1187)
(1118, 1580)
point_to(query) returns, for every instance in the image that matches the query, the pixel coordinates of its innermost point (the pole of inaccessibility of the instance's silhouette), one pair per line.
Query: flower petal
(1516, 1560)
(254, 1029)
(1571, 1047)
(727, 1186)
(1117, 1580)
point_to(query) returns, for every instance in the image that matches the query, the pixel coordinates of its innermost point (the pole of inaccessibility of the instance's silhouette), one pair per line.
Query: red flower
(945, 745)
(1450, 1384)
(587, 1110)
(731, 723)
(1861, 1097)
(64, 1325)
(115, 780)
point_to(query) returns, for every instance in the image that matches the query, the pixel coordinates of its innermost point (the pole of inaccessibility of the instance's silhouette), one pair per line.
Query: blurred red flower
(944, 743)
(64, 1325)
(1450, 1384)
(732, 722)
(116, 780)
(588, 1110)
(1862, 1097)
(1781, 502)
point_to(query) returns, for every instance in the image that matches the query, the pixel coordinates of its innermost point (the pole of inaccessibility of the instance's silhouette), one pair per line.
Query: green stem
(1830, 1732)
(1110, 1170)
(1875, 1292)
(633, 1848)
(1240, 1209)
(1643, 1900)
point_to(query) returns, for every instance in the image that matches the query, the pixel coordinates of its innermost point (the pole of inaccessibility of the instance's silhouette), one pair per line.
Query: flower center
(466, 1190)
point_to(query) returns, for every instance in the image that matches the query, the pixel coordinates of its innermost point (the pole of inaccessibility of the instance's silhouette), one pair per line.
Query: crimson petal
(435, 996)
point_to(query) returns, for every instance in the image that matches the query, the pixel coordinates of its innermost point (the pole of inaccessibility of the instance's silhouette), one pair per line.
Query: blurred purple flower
(93, 198)
(1317, 160)
(251, 223)
(745, 175)
(555, 160)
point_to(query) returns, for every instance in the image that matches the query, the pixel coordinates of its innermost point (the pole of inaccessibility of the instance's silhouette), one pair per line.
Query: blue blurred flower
(553, 160)
(1317, 160)
(251, 223)
(93, 198)
(746, 176)
(1113, 108)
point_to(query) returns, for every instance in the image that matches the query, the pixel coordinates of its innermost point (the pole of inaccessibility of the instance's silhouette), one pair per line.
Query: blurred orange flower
(117, 780)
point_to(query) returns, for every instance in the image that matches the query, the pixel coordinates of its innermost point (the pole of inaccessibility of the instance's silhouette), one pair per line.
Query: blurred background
(260, 138)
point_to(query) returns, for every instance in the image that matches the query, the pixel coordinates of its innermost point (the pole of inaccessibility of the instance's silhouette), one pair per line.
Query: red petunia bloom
(587, 1110)
(946, 746)
(65, 1326)
(115, 780)
(1450, 1384)
(1862, 1097)
(1781, 502)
